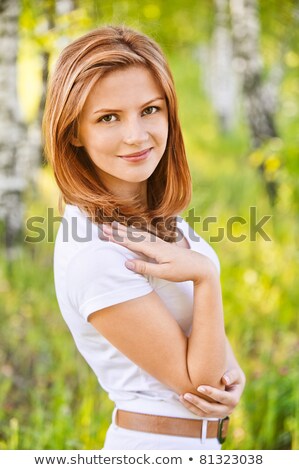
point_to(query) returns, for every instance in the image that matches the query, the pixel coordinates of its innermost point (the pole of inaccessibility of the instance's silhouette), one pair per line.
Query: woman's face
(125, 113)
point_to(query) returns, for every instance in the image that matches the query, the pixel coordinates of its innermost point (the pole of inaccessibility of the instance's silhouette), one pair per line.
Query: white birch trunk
(12, 131)
(223, 80)
(259, 109)
(52, 9)
(246, 33)
(219, 79)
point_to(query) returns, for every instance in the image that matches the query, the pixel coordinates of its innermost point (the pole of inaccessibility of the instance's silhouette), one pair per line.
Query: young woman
(139, 291)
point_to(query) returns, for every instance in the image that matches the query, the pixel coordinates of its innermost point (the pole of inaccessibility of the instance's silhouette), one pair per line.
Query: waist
(169, 407)
(171, 426)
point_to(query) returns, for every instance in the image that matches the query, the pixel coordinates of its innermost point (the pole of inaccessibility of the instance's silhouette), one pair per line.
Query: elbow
(186, 383)
(210, 379)
(208, 373)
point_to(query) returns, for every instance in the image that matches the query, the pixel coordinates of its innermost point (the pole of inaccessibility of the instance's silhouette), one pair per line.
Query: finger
(104, 237)
(157, 268)
(165, 260)
(134, 232)
(205, 409)
(107, 233)
(125, 238)
(220, 396)
(194, 409)
(121, 231)
(133, 227)
(231, 376)
(143, 267)
(144, 242)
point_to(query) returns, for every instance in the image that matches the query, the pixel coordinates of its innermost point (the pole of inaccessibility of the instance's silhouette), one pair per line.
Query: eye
(107, 118)
(151, 109)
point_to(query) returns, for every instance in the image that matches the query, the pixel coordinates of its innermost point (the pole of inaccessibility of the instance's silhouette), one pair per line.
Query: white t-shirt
(90, 274)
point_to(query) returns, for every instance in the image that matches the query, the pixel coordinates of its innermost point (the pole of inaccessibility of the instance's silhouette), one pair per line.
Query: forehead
(134, 84)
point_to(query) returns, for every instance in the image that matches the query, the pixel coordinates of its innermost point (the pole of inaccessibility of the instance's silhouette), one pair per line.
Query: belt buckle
(221, 422)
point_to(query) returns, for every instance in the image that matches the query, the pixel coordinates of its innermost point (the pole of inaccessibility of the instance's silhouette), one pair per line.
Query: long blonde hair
(78, 68)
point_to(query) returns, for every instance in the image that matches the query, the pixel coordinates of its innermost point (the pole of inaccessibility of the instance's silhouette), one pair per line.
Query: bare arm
(232, 362)
(225, 401)
(206, 345)
(145, 331)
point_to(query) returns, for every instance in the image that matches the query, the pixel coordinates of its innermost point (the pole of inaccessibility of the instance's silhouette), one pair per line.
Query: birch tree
(12, 131)
(259, 107)
(223, 79)
(52, 9)
(20, 145)
(45, 33)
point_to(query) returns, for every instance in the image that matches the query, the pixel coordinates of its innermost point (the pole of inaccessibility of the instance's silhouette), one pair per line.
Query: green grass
(50, 399)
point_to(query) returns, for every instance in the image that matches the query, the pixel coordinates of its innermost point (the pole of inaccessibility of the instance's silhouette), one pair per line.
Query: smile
(134, 157)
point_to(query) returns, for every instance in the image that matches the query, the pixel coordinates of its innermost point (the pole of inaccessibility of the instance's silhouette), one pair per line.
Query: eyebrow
(106, 110)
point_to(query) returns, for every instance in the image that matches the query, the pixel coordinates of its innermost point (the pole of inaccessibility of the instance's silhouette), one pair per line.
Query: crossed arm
(159, 335)
(224, 401)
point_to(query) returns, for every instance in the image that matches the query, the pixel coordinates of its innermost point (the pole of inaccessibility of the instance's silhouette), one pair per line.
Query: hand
(225, 400)
(170, 261)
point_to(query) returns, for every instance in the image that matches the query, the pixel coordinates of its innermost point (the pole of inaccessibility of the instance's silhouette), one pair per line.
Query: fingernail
(202, 389)
(188, 397)
(130, 265)
(107, 228)
(102, 237)
(227, 379)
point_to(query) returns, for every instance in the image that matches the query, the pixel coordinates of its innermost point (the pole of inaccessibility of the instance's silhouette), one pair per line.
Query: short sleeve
(198, 243)
(97, 278)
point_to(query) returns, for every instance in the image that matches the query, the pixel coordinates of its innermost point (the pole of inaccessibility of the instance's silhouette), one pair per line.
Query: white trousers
(124, 439)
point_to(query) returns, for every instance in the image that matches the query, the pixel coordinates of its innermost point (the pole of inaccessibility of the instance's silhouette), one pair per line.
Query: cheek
(101, 141)
(164, 124)
(164, 131)
(160, 129)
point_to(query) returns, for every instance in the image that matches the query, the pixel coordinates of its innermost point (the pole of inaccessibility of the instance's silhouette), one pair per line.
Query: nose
(135, 132)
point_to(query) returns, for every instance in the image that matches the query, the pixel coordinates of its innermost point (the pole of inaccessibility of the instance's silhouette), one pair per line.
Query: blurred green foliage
(49, 399)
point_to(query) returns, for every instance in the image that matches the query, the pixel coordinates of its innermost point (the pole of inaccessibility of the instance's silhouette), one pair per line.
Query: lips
(136, 157)
(137, 154)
